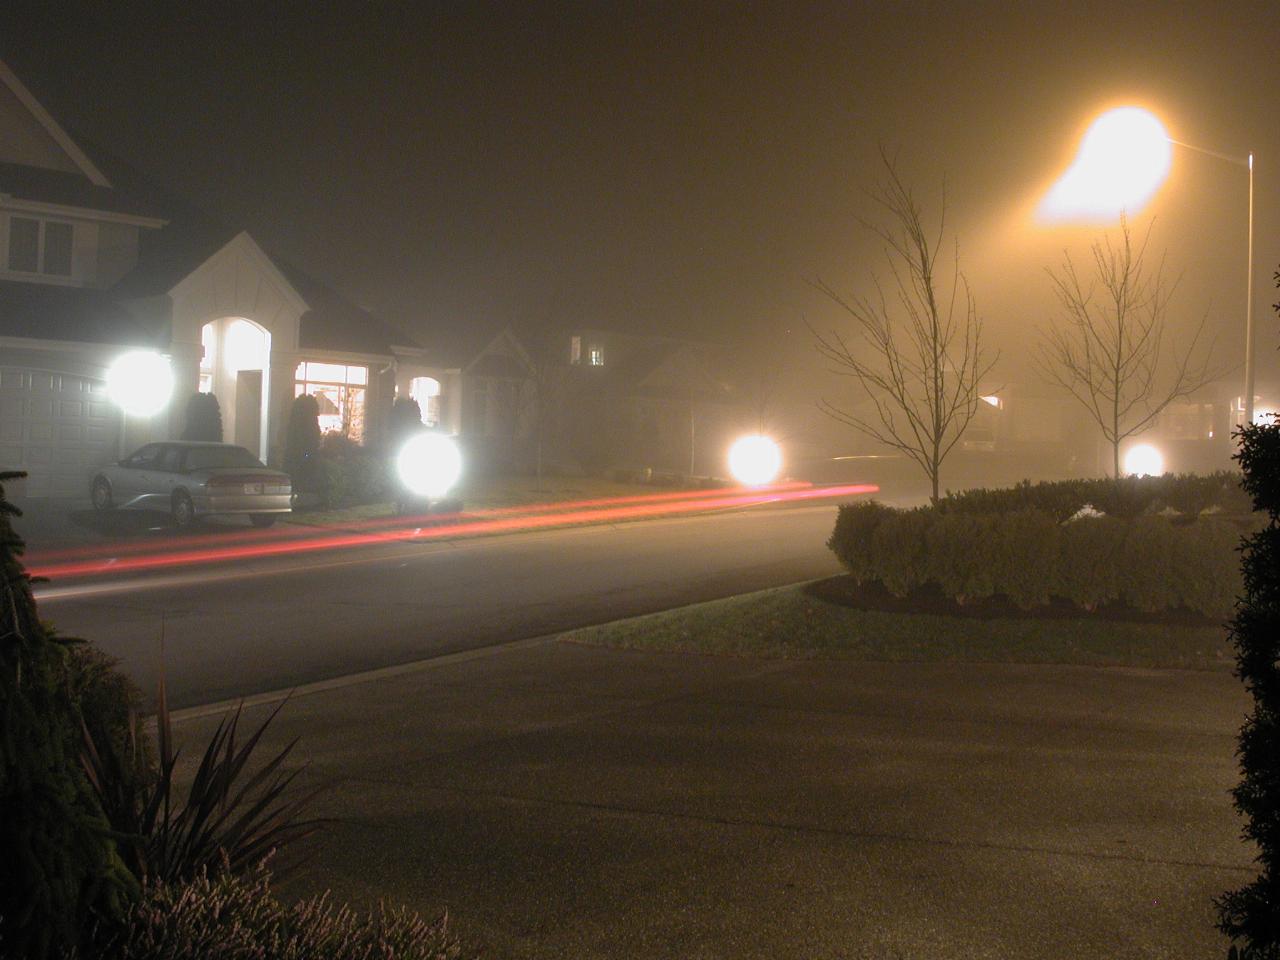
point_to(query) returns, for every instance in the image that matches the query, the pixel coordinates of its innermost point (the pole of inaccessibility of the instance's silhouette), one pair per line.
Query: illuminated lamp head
(1143, 460)
(1123, 159)
(140, 383)
(429, 464)
(755, 460)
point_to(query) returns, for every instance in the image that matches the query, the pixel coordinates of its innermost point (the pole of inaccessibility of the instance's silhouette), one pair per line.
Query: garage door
(55, 426)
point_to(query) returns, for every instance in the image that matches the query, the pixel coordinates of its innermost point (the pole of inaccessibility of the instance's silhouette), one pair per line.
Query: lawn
(790, 623)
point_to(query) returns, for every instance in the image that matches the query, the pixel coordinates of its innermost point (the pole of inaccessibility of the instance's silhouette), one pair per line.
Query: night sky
(668, 168)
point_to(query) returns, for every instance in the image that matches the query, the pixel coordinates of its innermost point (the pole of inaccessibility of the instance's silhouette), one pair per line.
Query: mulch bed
(929, 599)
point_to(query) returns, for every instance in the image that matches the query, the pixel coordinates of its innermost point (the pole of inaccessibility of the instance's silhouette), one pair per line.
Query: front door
(249, 410)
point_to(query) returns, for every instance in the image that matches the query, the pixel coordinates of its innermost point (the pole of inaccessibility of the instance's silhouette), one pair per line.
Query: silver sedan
(189, 479)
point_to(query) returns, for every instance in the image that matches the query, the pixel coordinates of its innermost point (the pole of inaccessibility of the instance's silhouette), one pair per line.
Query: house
(95, 262)
(604, 399)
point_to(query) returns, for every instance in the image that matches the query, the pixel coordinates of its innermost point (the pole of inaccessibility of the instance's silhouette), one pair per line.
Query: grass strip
(787, 623)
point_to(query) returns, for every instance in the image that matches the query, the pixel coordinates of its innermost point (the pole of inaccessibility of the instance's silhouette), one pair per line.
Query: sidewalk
(570, 801)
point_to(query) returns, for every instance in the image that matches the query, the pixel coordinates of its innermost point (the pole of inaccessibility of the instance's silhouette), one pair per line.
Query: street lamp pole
(1247, 399)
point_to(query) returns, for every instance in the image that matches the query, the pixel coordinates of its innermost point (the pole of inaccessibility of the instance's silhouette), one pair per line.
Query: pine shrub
(59, 869)
(203, 418)
(1251, 915)
(302, 446)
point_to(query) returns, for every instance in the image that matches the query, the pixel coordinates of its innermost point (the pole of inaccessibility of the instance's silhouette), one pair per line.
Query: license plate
(253, 488)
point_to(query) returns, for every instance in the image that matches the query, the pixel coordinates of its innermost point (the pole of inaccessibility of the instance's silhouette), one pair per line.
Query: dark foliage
(352, 473)
(229, 819)
(1187, 494)
(1251, 915)
(404, 422)
(58, 867)
(1030, 557)
(223, 916)
(203, 418)
(302, 446)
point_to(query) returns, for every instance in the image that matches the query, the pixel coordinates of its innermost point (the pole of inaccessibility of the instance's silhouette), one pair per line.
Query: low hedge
(1030, 557)
(1187, 495)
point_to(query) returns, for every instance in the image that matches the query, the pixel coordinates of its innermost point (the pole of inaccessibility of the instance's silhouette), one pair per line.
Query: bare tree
(916, 351)
(1110, 350)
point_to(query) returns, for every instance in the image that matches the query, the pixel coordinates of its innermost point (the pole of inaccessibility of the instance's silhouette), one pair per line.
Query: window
(208, 348)
(597, 357)
(426, 392)
(575, 349)
(339, 390)
(40, 246)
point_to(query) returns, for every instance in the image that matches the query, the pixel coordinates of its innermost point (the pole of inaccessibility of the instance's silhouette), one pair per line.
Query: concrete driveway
(566, 801)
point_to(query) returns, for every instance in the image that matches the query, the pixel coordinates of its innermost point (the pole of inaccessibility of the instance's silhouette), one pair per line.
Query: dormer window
(596, 356)
(40, 246)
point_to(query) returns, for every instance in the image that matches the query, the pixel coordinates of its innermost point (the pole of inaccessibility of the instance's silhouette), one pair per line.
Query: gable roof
(48, 312)
(52, 128)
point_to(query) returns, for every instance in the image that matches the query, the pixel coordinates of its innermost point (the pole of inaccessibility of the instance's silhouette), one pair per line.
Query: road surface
(246, 626)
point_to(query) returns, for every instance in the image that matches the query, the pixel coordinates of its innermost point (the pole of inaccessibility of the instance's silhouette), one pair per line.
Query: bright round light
(429, 464)
(140, 383)
(755, 460)
(1143, 460)
(1123, 159)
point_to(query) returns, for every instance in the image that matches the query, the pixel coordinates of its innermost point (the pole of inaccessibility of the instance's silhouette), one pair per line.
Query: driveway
(568, 801)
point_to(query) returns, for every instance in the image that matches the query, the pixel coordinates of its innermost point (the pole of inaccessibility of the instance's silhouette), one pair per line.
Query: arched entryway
(236, 368)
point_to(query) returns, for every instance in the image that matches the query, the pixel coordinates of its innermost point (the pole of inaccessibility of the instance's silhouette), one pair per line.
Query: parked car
(190, 479)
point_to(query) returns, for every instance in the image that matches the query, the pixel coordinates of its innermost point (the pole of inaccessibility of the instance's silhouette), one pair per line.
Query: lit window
(597, 356)
(339, 389)
(575, 349)
(426, 392)
(208, 348)
(40, 246)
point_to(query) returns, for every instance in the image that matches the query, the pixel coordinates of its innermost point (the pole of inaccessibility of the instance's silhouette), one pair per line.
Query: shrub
(1251, 914)
(228, 820)
(352, 473)
(58, 867)
(302, 446)
(203, 418)
(227, 917)
(1027, 556)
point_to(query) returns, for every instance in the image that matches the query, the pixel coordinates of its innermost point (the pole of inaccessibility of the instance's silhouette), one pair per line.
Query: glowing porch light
(429, 464)
(140, 383)
(1123, 159)
(1144, 460)
(755, 460)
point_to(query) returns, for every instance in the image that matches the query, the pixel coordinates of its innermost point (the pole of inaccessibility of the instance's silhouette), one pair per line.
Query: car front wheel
(184, 512)
(101, 494)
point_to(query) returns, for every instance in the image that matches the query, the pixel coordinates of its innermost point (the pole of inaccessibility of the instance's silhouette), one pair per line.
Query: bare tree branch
(1109, 349)
(917, 355)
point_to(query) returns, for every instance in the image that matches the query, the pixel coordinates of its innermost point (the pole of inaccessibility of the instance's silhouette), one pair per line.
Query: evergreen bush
(203, 418)
(1251, 914)
(1029, 557)
(59, 869)
(302, 447)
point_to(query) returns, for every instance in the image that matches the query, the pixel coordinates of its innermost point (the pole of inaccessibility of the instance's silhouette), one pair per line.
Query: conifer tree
(203, 418)
(59, 869)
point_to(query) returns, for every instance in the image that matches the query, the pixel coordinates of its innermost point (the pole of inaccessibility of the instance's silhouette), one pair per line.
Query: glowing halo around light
(1123, 159)
(140, 383)
(429, 465)
(1144, 460)
(755, 460)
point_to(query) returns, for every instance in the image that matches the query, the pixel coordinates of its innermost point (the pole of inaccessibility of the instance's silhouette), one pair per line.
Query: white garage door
(55, 426)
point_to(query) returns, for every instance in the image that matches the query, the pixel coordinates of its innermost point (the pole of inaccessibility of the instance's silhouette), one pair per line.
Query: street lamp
(140, 382)
(1123, 159)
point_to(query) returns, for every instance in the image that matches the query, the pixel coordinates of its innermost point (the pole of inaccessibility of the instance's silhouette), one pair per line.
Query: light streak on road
(504, 521)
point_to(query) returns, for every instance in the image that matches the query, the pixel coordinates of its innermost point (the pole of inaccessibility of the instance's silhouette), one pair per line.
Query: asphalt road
(573, 802)
(253, 625)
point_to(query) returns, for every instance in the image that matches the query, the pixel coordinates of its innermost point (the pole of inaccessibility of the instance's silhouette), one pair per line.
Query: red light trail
(505, 520)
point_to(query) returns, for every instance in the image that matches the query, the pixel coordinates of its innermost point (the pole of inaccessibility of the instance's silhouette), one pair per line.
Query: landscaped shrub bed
(1186, 495)
(1030, 555)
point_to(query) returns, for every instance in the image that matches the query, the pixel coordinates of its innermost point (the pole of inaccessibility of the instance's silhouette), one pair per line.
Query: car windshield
(212, 458)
